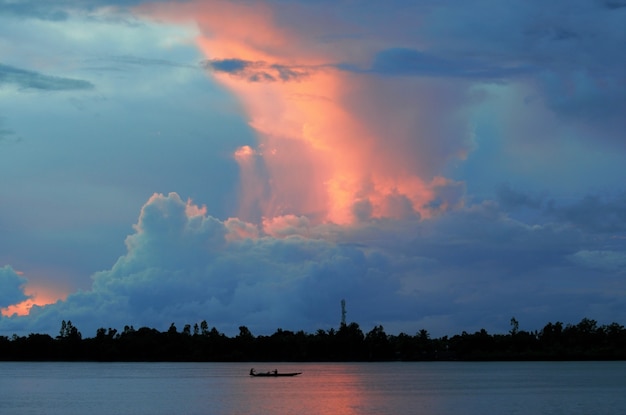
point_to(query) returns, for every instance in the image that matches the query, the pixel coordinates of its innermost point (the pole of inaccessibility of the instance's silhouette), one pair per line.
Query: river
(398, 388)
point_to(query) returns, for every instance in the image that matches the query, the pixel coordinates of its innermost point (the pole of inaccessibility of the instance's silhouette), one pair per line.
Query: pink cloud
(333, 145)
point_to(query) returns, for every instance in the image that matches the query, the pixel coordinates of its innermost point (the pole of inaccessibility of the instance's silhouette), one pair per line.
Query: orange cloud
(321, 153)
(39, 295)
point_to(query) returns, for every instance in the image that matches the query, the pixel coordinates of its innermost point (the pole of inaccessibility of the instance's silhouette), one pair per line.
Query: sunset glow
(317, 155)
(253, 162)
(39, 296)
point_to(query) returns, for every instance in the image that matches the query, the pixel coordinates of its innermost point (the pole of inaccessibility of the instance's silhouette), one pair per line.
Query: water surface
(427, 388)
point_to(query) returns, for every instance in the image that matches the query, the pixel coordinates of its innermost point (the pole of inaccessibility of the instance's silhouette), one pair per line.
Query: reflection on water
(326, 388)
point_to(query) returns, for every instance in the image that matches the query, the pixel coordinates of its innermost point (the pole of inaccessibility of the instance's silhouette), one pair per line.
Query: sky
(440, 165)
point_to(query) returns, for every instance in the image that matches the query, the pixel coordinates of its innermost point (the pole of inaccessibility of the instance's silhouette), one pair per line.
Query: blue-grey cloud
(118, 62)
(11, 287)
(257, 71)
(512, 199)
(228, 65)
(389, 62)
(594, 213)
(35, 9)
(60, 10)
(26, 79)
(412, 62)
(614, 4)
(603, 260)
(570, 54)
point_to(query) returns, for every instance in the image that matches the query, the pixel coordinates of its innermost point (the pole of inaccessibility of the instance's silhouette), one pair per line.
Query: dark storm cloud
(594, 213)
(26, 79)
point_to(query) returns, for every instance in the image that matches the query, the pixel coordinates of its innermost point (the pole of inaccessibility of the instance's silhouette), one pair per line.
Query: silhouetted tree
(424, 345)
(70, 341)
(349, 342)
(514, 326)
(377, 344)
(244, 344)
(187, 330)
(585, 340)
(204, 327)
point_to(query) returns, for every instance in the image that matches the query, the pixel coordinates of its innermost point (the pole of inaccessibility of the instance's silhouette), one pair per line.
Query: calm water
(439, 388)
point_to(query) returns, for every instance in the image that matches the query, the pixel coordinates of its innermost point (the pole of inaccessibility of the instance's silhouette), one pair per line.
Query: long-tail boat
(273, 373)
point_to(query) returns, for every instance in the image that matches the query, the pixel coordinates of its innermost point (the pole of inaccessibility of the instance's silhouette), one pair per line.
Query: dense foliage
(583, 341)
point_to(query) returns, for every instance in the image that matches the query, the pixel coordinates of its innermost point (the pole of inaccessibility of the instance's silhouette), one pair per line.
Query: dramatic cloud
(372, 146)
(437, 165)
(332, 146)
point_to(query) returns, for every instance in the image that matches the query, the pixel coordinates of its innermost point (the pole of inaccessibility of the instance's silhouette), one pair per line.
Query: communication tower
(343, 312)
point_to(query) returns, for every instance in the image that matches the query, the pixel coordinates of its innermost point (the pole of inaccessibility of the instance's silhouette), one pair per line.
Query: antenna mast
(343, 312)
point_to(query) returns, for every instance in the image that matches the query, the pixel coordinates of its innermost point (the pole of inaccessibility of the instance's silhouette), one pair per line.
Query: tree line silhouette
(556, 341)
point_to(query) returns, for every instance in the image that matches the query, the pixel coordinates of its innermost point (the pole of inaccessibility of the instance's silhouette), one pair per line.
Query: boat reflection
(323, 388)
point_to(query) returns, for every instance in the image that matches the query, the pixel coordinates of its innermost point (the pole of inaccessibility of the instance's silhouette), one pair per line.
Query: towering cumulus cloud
(182, 263)
(334, 144)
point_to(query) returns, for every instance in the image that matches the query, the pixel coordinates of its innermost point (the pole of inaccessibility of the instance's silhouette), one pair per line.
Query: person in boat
(252, 371)
(276, 371)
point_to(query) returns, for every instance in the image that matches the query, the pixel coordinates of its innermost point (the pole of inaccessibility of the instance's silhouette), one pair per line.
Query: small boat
(273, 373)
